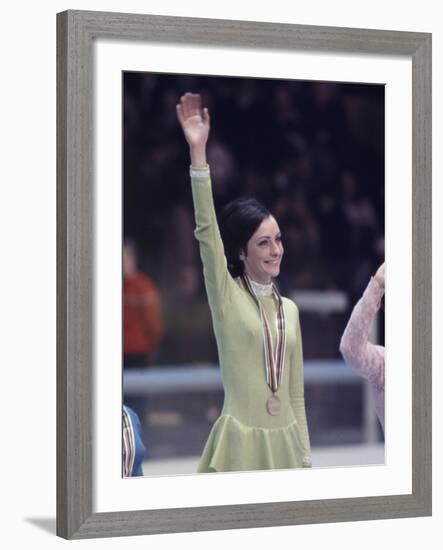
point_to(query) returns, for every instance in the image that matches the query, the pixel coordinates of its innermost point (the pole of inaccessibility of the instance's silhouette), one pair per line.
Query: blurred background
(313, 153)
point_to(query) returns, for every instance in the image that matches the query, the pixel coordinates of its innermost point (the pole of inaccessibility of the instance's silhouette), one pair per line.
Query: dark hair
(238, 221)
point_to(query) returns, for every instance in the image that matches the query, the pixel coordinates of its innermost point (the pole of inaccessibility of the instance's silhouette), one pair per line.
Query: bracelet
(199, 172)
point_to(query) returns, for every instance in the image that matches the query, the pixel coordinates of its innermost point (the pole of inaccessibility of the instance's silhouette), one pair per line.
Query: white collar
(258, 288)
(261, 289)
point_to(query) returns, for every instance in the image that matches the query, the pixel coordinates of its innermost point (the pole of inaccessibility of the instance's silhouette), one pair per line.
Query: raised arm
(355, 347)
(195, 124)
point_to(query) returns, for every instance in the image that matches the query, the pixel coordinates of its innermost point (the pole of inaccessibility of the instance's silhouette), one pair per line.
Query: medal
(274, 358)
(273, 405)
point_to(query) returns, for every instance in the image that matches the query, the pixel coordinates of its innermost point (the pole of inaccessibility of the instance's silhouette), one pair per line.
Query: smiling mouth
(272, 262)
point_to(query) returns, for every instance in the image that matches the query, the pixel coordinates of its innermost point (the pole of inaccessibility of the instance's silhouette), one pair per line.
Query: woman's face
(264, 252)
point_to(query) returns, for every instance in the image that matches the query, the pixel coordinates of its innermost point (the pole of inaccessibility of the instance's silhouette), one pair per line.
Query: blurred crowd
(312, 152)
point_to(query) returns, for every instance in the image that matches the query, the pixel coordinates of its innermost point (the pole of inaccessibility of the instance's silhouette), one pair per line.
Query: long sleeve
(298, 394)
(216, 274)
(358, 352)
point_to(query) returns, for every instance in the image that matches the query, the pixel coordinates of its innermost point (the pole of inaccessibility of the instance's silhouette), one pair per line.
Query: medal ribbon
(274, 359)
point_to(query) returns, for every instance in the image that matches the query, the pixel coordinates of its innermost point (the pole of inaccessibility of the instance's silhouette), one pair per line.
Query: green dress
(246, 436)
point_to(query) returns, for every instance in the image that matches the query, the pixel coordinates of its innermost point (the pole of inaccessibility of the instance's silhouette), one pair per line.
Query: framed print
(103, 59)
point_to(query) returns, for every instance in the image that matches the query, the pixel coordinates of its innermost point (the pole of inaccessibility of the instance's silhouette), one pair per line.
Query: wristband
(199, 172)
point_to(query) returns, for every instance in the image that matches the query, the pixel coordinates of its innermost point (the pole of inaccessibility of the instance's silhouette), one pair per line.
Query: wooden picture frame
(76, 32)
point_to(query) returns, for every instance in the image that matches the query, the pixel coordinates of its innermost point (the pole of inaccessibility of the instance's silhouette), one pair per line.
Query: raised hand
(380, 275)
(195, 124)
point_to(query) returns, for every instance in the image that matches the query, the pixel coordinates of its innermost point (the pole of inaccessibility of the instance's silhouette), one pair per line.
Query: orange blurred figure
(143, 325)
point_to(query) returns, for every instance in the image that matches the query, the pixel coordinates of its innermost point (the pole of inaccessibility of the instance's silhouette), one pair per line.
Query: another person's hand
(194, 120)
(380, 275)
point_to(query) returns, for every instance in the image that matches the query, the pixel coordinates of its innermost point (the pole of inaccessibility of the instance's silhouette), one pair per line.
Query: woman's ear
(241, 254)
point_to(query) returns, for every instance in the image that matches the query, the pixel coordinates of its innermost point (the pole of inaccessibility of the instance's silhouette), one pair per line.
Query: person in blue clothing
(133, 447)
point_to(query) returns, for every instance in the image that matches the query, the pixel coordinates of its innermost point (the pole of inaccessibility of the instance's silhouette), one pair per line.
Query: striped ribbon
(274, 358)
(128, 445)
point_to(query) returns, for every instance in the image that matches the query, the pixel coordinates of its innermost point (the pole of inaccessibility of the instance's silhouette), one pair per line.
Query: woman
(366, 358)
(132, 445)
(263, 421)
